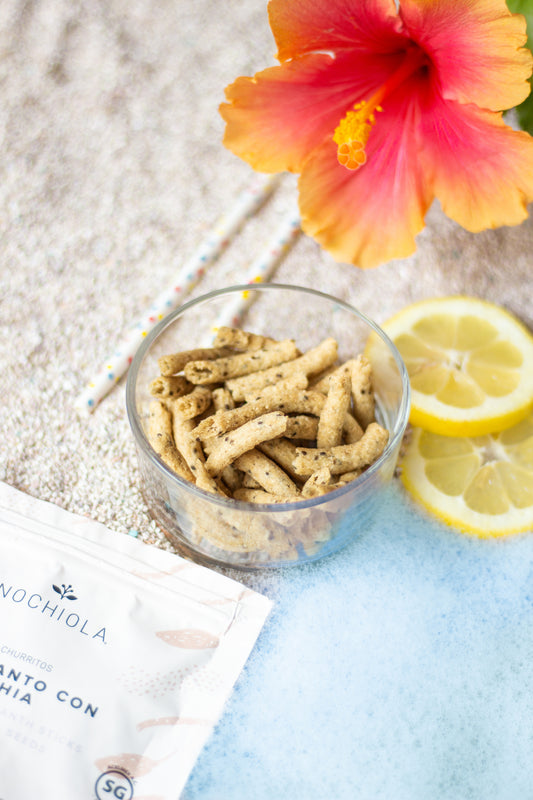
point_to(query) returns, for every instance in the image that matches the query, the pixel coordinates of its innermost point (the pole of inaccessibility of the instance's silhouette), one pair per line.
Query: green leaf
(524, 7)
(525, 109)
(525, 114)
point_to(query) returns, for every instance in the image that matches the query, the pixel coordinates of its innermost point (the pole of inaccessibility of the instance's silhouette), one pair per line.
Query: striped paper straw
(246, 205)
(259, 271)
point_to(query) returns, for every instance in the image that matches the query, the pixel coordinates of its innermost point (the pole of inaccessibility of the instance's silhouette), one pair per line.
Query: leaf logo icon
(65, 592)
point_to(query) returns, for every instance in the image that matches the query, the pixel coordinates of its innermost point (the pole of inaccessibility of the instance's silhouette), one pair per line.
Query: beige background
(111, 172)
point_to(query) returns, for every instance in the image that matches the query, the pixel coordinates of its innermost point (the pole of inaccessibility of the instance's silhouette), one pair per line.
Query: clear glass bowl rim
(142, 441)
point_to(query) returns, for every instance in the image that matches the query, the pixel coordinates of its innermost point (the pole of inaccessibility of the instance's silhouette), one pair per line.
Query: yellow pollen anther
(352, 132)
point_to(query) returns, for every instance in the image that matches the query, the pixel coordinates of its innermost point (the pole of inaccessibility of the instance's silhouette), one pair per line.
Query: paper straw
(246, 205)
(259, 271)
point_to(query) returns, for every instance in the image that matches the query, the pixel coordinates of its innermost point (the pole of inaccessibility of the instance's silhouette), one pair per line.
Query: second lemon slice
(470, 365)
(480, 484)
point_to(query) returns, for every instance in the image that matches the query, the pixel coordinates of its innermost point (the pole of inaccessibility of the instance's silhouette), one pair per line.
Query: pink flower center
(352, 132)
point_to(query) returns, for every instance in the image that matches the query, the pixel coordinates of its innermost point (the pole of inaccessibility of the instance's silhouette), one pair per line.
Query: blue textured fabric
(399, 669)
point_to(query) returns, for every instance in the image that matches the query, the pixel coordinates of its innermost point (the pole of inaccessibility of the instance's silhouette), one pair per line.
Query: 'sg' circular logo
(113, 784)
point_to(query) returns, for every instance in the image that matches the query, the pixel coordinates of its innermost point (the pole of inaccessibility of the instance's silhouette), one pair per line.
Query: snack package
(116, 658)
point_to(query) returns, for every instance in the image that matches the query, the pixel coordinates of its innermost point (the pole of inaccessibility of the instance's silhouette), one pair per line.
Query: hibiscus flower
(383, 107)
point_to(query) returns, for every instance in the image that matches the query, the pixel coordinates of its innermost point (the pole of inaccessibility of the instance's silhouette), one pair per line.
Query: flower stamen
(351, 135)
(352, 132)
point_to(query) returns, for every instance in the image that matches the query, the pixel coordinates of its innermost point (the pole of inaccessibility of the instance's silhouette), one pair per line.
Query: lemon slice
(481, 484)
(470, 365)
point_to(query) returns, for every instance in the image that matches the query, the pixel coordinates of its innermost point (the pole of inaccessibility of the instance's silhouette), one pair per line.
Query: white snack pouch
(116, 658)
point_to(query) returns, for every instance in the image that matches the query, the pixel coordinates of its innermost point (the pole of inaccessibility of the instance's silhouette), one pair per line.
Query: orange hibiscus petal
(372, 215)
(300, 26)
(482, 170)
(275, 119)
(477, 48)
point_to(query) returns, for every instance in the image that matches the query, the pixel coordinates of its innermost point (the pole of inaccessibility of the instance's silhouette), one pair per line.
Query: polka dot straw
(246, 205)
(259, 272)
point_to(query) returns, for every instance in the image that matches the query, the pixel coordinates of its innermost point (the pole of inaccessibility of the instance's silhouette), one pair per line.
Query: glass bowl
(213, 529)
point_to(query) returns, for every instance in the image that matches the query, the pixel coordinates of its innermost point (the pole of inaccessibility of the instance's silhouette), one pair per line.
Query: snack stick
(205, 414)
(181, 428)
(279, 391)
(159, 425)
(208, 444)
(172, 386)
(236, 365)
(283, 452)
(219, 533)
(362, 391)
(283, 526)
(301, 426)
(233, 444)
(260, 496)
(192, 404)
(243, 533)
(308, 402)
(347, 477)
(312, 361)
(267, 473)
(318, 483)
(175, 362)
(279, 545)
(222, 421)
(248, 482)
(301, 403)
(265, 528)
(222, 399)
(322, 384)
(336, 406)
(314, 532)
(293, 402)
(273, 400)
(319, 491)
(237, 339)
(235, 432)
(192, 452)
(318, 358)
(161, 439)
(345, 457)
(231, 478)
(290, 395)
(351, 429)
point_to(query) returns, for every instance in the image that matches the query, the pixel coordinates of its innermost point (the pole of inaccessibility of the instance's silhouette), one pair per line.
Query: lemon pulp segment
(480, 484)
(470, 365)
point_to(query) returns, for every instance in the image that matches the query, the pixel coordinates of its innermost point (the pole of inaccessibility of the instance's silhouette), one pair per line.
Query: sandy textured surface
(111, 172)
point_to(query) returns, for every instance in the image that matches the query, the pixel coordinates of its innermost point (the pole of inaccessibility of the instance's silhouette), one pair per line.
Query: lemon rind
(429, 413)
(456, 514)
(446, 426)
